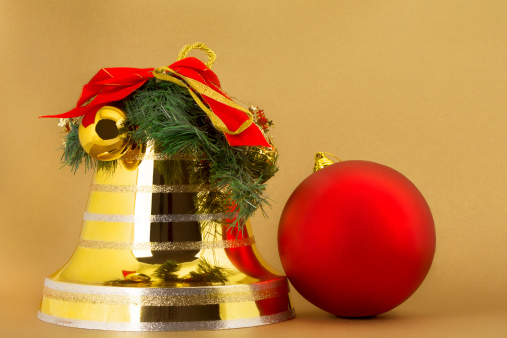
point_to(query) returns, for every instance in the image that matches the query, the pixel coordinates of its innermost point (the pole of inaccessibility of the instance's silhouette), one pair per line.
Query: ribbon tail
(76, 112)
(251, 136)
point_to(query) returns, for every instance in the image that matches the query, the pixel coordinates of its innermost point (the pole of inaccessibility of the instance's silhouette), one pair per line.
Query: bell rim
(170, 326)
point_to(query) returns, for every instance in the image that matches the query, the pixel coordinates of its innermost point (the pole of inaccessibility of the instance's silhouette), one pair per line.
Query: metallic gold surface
(275, 283)
(102, 140)
(136, 221)
(132, 157)
(200, 297)
(322, 161)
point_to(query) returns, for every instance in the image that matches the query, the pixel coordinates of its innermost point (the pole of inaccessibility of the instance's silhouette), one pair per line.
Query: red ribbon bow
(114, 84)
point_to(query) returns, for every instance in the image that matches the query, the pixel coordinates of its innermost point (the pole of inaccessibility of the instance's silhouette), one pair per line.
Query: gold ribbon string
(201, 46)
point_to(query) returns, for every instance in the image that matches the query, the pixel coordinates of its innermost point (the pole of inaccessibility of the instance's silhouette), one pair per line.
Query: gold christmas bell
(134, 224)
(154, 253)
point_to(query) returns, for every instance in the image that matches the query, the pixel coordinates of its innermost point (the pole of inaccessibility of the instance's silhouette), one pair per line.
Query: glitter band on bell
(161, 300)
(156, 218)
(165, 246)
(170, 326)
(160, 157)
(161, 188)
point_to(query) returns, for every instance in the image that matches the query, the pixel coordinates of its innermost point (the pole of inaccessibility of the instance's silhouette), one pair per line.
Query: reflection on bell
(102, 139)
(152, 258)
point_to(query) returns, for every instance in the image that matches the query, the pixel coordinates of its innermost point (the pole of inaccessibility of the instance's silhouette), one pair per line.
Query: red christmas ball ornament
(356, 238)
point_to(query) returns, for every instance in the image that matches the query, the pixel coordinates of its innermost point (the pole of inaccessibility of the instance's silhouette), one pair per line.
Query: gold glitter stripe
(160, 157)
(169, 326)
(165, 246)
(151, 188)
(88, 216)
(281, 282)
(151, 300)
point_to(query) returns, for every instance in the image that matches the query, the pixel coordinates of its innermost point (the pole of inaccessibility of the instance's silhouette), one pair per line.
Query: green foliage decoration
(165, 114)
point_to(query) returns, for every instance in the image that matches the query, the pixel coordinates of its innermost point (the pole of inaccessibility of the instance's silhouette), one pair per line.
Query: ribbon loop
(193, 86)
(201, 46)
(115, 84)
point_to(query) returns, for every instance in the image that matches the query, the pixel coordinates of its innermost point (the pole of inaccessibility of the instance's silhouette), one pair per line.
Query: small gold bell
(322, 161)
(102, 140)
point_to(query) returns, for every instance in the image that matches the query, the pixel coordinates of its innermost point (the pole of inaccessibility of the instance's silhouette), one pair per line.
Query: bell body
(139, 218)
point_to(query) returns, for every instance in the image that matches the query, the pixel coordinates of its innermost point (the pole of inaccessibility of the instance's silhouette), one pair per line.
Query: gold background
(419, 86)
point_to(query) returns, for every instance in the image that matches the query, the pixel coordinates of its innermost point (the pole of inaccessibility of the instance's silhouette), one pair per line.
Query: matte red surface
(356, 238)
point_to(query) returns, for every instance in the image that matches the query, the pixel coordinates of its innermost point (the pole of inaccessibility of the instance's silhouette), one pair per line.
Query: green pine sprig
(73, 154)
(166, 115)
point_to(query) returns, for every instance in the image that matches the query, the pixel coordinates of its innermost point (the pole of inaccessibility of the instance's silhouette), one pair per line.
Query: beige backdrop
(416, 85)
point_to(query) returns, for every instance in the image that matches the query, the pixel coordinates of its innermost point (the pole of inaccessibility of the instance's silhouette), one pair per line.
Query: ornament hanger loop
(198, 45)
